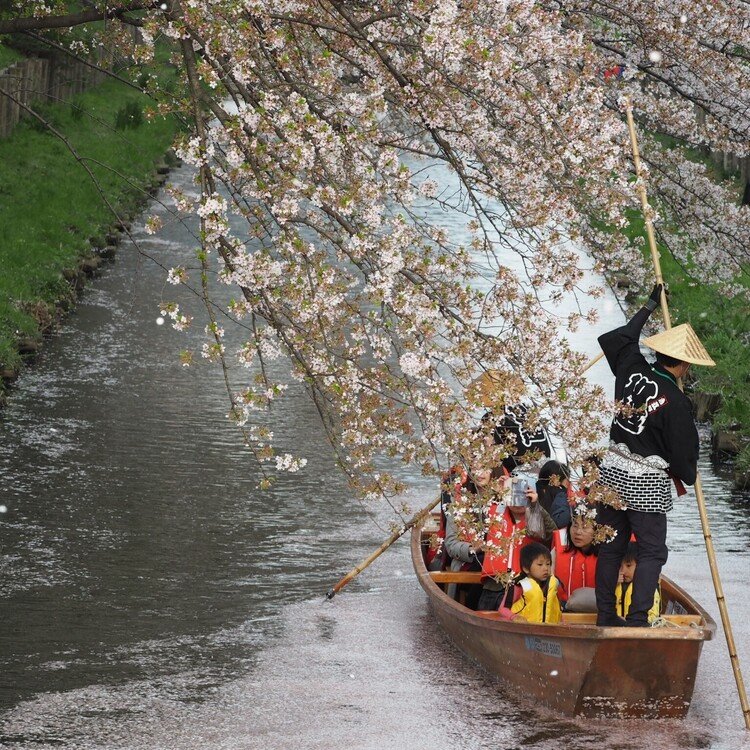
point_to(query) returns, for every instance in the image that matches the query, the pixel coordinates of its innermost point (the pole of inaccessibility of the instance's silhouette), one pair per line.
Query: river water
(153, 598)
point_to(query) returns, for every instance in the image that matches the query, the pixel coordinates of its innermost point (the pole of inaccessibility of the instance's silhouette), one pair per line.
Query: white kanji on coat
(637, 394)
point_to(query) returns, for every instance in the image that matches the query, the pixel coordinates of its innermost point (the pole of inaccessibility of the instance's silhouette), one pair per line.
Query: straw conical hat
(682, 343)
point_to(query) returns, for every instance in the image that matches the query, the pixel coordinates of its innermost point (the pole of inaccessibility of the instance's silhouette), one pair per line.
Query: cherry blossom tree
(327, 135)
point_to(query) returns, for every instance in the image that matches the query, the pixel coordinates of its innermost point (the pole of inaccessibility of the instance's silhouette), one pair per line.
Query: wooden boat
(576, 667)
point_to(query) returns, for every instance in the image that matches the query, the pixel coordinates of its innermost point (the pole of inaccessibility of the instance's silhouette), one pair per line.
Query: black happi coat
(666, 427)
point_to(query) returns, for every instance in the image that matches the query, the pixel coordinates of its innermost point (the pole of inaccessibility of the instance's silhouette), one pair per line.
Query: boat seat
(568, 618)
(589, 618)
(456, 576)
(579, 618)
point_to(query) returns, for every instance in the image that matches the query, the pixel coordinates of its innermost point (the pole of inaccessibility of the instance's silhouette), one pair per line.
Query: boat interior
(675, 609)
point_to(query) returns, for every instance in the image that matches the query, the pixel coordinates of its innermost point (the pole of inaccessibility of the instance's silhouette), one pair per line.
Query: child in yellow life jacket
(624, 590)
(535, 595)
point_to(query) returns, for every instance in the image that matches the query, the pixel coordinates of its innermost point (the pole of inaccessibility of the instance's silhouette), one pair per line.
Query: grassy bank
(8, 56)
(722, 325)
(49, 205)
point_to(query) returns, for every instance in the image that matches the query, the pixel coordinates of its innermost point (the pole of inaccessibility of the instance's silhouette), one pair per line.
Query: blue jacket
(559, 509)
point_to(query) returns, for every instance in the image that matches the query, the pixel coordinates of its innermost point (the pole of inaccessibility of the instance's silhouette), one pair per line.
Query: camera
(520, 483)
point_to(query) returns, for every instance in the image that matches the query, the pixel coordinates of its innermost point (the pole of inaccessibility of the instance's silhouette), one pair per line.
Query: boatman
(652, 438)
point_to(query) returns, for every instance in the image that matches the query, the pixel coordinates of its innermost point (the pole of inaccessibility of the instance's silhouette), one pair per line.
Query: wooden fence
(36, 80)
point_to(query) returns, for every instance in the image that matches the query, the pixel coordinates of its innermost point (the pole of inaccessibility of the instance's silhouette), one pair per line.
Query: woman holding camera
(504, 539)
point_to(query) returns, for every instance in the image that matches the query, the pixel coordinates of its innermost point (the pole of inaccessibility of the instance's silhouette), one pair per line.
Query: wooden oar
(698, 485)
(357, 569)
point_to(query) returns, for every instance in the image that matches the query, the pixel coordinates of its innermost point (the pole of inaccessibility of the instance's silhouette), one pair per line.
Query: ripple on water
(352, 673)
(153, 598)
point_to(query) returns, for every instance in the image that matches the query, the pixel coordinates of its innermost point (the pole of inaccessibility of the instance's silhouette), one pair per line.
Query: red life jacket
(501, 526)
(457, 477)
(433, 550)
(573, 568)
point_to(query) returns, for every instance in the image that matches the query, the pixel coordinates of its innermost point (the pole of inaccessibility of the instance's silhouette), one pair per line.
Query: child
(535, 593)
(574, 553)
(624, 589)
(506, 537)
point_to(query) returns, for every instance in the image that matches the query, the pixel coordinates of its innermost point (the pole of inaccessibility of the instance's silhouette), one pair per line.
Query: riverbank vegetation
(8, 56)
(61, 174)
(721, 393)
(303, 118)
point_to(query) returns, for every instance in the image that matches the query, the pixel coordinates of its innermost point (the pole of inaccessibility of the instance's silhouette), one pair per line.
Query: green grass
(715, 172)
(722, 325)
(50, 206)
(8, 56)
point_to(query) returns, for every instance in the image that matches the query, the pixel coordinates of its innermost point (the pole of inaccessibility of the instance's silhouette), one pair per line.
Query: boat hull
(580, 669)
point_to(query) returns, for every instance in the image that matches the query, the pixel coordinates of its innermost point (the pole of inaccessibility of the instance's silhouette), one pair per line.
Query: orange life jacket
(457, 478)
(501, 526)
(573, 568)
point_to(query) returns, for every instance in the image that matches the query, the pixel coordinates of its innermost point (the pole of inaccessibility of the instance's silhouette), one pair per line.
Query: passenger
(624, 590)
(535, 595)
(511, 431)
(452, 482)
(575, 553)
(466, 488)
(506, 536)
(553, 488)
(456, 484)
(463, 547)
(463, 499)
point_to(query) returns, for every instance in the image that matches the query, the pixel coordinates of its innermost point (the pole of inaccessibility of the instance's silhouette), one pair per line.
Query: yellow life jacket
(623, 606)
(533, 605)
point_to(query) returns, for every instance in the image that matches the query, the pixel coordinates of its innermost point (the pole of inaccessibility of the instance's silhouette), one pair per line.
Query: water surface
(153, 598)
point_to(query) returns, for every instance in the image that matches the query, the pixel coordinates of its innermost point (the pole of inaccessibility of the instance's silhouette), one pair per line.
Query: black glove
(655, 298)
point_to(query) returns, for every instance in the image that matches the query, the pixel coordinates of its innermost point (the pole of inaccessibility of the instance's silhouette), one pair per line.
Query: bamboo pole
(413, 521)
(708, 538)
(357, 569)
(592, 362)
(646, 208)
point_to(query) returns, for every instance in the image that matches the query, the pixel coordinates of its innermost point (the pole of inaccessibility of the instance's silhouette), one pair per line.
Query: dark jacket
(665, 427)
(560, 509)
